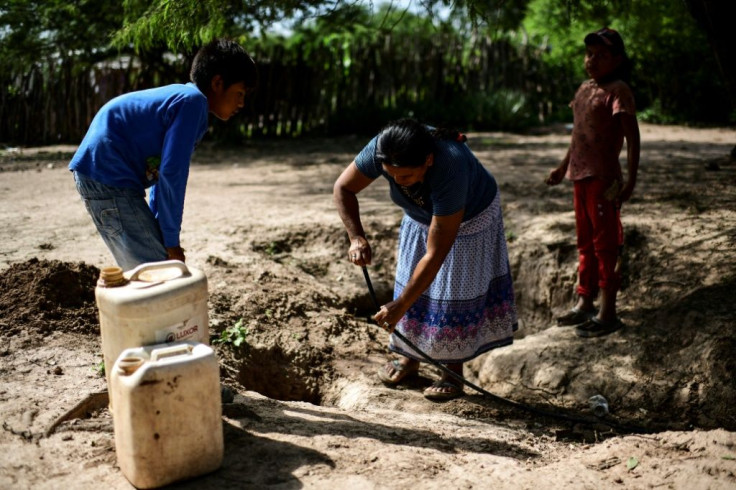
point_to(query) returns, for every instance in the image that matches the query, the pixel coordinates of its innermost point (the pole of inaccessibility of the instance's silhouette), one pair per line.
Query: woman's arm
(442, 233)
(344, 194)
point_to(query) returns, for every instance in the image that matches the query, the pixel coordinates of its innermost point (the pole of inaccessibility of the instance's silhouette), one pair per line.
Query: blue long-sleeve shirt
(143, 139)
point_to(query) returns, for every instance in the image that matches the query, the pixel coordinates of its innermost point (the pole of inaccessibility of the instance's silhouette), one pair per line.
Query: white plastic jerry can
(153, 303)
(167, 413)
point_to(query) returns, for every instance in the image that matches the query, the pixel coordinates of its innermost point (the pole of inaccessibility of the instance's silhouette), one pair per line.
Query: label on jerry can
(177, 332)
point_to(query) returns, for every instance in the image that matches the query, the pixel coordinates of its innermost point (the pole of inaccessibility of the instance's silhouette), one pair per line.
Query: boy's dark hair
(614, 42)
(225, 58)
(408, 143)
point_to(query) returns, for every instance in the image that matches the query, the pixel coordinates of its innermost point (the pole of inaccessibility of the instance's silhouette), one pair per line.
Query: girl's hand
(360, 251)
(613, 192)
(389, 315)
(555, 176)
(626, 191)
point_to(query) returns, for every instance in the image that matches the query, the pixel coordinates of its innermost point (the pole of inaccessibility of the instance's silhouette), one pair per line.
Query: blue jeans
(124, 221)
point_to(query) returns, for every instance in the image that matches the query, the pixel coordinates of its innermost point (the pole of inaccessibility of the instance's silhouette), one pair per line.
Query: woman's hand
(360, 251)
(389, 315)
(344, 193)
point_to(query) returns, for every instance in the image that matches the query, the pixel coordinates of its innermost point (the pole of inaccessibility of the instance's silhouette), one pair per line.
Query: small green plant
(272, 248)
(234, 334)
(99, 368)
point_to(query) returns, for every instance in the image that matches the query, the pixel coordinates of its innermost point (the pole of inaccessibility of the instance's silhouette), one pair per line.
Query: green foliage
(349, 66)
(48, 49)
(673, 66)
(654, 113)
(394, 63)
(234, 334)
(497, 109)
(180, 26)
(507, 109)
(99, 368)
(551, 24)
(273, 248)
(32, 31)
(495, 15)
(184, 25)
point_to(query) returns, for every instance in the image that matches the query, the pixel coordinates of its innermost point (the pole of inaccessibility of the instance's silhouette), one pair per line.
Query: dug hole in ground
(300, 354)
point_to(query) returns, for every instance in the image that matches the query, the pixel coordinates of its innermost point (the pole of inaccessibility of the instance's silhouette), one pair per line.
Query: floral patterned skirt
(469, 309)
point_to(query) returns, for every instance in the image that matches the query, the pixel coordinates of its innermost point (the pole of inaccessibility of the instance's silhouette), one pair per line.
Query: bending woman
(453, 295)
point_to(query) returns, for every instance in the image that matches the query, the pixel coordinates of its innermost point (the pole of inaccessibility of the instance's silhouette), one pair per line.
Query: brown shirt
(597, 136)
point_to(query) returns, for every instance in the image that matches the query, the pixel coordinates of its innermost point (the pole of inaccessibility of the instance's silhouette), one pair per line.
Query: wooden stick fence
(330, 89)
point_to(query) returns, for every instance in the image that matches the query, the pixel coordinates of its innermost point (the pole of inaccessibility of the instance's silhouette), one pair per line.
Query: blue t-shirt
(143, 139)
(456, 180)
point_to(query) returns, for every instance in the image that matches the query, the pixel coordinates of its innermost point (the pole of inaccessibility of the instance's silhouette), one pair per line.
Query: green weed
(99, 368)
(234, 334)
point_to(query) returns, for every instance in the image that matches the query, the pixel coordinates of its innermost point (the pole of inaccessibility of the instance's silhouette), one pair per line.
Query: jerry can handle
(165, 264)
(173, 351)
(128, 365)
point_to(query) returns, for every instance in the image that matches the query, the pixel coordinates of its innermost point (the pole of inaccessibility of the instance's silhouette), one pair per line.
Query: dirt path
(308, 411)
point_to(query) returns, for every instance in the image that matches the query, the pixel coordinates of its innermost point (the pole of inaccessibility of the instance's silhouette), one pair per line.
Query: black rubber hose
(496, 398)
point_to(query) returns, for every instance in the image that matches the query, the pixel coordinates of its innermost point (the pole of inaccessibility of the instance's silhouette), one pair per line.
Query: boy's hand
(175, 253)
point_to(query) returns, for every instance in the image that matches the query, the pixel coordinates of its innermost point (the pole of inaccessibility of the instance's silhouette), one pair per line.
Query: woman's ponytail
(449, 135)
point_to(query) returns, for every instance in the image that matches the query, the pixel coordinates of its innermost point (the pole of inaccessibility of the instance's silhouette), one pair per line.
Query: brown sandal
(401, 371)
(575, 317)
(443, 390)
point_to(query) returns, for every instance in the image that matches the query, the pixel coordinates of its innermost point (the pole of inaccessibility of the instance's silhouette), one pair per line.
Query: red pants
(600, 237)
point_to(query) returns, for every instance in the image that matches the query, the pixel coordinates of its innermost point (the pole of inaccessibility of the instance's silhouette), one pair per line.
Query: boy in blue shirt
(146, 139)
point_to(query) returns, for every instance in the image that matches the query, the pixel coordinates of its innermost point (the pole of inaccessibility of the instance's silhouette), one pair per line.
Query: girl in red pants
(604, 115)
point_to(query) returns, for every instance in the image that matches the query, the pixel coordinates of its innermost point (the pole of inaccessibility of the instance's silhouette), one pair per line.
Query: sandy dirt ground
(308, 410)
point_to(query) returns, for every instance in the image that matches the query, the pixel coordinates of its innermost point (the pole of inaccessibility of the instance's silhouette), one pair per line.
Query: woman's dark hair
(225, 58)
(408, 143)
